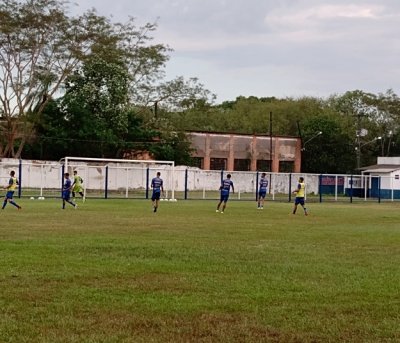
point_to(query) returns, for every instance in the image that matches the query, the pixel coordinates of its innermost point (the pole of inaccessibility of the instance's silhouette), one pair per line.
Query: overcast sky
(282, 48)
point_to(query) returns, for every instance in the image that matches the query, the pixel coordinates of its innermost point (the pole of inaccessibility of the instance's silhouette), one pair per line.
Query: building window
(241, 165)
(198, 162)
(286, 166)
(264, 165)
(218, 163)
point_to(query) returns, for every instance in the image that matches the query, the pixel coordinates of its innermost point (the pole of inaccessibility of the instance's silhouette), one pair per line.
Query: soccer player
(66, 192)
(157, 185)
(12, 185)
(262, 191)
(225, 188)
(300, 192)
(77, 186)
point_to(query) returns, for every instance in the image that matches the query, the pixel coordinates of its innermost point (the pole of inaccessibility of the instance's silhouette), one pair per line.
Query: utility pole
(156, 109)
(358, 140)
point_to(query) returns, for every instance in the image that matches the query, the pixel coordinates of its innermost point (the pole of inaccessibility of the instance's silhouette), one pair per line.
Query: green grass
(113, 271)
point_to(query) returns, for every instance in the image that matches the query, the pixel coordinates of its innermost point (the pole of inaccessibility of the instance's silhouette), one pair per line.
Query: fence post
(379, 189)
(290, 187)
(20, 178)
(106, 185)
(186, 184)
(147, 182)
(222, 176)
(351, 188)
(320, 187)
(257, 175)
(62, 178)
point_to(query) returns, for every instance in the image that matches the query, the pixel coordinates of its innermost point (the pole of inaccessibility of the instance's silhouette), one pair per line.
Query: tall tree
(96, 102)
(39, 47)
(106, 66)
(367, 117)
(329, 152)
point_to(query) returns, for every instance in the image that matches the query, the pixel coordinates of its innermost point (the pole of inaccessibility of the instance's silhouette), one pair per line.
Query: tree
(105, 66)
(59, 135)
(331, 152)
(96, 103)
(386, 116)
(368, 116)
(174, 146)
(39, 47)
(52, 137)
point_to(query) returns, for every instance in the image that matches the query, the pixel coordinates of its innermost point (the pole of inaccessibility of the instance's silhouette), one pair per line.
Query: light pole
(358, 148)
(304, 147)
(315, 136)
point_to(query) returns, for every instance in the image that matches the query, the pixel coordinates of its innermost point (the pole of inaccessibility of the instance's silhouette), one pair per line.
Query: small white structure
(383, 179)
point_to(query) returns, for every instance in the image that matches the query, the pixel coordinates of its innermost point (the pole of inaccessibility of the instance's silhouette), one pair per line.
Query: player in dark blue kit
(225, 188)
(66, 192)
(262, 191)
(157, 185)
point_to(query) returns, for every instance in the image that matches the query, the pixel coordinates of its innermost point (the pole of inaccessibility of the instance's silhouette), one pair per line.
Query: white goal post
(129, 166)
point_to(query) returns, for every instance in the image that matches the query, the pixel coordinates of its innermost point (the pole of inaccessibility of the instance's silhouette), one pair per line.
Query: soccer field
(114, 271)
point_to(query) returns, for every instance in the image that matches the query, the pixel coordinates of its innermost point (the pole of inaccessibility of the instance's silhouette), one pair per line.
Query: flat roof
(242, 134)
(381, 168)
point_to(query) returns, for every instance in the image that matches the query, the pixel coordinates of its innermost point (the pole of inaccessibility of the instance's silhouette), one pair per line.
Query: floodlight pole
(358, 152)
(358, 148)
(315, 136)
(303, 145)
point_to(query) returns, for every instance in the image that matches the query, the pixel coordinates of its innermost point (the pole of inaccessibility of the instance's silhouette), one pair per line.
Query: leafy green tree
(52, 135)
(59, 135)
(250, 115)
(173, 146)
(331, 152)
(367, 116)
(96, 103)
(39, 47)
(386, 116)
(94, 115)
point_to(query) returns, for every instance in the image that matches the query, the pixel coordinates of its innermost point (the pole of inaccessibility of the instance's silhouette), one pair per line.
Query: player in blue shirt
(262, 191)
(157, 185)
(12, 186)
(66, 192)
(225, 188)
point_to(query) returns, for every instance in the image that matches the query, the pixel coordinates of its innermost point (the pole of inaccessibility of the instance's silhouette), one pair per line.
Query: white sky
(282, 48)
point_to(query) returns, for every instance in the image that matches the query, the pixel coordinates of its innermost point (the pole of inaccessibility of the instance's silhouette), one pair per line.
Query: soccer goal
(120, 178)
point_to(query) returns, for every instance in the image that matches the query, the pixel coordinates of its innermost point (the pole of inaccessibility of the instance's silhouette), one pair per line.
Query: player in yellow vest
(77, 186)
(12, 186)
(300, 193)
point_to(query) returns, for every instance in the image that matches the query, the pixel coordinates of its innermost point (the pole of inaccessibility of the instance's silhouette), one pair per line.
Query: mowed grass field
(114, 271)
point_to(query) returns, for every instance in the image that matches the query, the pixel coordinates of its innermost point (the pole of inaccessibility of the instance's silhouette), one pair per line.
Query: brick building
(216, 151)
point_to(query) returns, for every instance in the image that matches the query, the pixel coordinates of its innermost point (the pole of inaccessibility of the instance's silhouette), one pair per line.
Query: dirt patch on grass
(206, 327)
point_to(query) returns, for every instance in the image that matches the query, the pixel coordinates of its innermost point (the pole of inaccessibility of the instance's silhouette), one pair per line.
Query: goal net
(120, 178)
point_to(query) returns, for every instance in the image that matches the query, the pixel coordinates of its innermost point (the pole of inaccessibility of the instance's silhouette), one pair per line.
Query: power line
(53, 138)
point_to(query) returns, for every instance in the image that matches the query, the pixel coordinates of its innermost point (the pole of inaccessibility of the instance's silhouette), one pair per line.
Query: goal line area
(120, 177)
(131, 179)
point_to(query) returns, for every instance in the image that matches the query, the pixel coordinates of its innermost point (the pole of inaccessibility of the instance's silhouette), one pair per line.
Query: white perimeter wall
(48, 175)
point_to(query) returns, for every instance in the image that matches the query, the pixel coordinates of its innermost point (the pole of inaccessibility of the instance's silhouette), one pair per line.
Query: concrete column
(297, 157)
(207, 149)
(275, 155)
(254, 153)
(231, 158)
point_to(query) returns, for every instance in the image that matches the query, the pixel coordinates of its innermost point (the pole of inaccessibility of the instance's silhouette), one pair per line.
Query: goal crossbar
(115, 160)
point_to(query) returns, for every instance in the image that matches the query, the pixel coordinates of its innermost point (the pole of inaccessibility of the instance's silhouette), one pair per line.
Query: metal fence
(132, 181)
